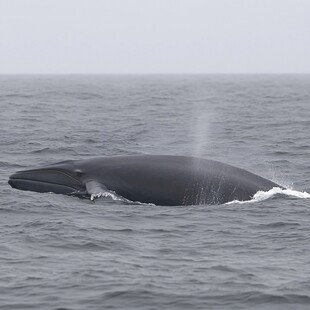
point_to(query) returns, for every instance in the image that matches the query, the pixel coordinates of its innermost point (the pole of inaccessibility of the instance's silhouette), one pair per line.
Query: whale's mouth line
(43, 171)
(41, 178)
(44, 182)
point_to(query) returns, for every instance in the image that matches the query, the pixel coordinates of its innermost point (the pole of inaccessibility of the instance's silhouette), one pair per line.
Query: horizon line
(167, 73)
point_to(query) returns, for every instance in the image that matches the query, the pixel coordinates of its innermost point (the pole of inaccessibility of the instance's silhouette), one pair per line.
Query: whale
(163, 180)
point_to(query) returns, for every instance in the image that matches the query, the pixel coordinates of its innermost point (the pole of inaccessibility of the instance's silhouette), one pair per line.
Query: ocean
(62, 252)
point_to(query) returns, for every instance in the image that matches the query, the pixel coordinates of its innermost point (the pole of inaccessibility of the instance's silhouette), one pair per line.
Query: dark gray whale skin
(157, 179)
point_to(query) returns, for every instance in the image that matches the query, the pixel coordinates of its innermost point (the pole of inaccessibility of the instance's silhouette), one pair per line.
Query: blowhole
(78, 172)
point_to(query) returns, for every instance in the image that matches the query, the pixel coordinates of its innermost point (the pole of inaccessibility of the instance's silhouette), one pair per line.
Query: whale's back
(179, 180)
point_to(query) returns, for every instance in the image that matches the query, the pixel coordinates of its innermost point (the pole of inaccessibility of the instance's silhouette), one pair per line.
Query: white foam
(261, 195)
(115, 197)
(104, 195)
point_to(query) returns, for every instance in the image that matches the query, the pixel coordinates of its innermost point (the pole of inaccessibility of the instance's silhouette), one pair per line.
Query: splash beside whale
(157, 179)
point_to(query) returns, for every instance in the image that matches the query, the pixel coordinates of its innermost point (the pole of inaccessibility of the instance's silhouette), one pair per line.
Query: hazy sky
(154, 36)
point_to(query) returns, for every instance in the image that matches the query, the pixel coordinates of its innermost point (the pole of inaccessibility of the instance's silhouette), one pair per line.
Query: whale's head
(61, 178)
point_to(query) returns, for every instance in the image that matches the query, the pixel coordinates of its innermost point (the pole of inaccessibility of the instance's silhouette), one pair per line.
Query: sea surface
(62, 252)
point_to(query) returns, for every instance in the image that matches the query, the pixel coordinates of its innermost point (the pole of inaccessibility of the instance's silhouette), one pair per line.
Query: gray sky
(154, 36)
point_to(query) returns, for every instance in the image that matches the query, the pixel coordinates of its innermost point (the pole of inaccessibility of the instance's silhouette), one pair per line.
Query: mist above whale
(157, 179)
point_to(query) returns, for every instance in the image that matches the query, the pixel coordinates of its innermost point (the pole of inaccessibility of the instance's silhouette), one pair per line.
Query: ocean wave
(110, 195)
(261, 195)
(107, 194)
(54, 150)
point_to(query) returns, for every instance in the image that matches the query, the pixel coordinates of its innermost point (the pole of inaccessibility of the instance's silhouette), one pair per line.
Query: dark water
(60, 252)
